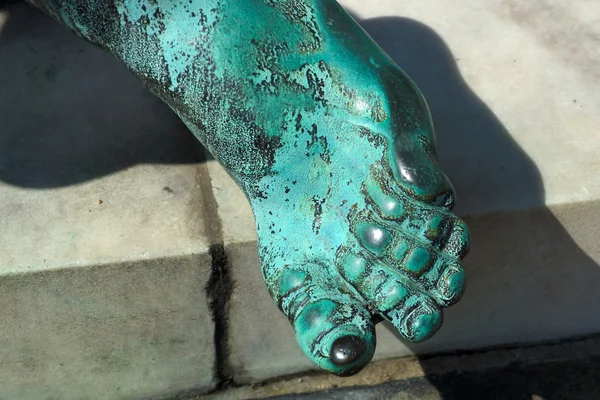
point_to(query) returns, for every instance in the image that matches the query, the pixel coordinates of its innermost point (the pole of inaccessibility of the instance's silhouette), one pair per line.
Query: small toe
(451, 286)
(459, 240)
(414, 313)
(373, 237)
(420, 323)
(392, 212)
(418, 173)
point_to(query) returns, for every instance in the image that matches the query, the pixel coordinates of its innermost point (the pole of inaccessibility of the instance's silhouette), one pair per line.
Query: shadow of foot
(72, 113)
(528, 279)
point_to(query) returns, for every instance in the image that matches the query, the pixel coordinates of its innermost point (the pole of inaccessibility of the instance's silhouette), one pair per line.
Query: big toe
(332, 328)
(337, 336)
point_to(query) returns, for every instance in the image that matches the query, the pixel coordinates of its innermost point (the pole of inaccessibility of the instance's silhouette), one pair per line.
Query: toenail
(353, 268)
(417, 262)
(421, 326)
(452, 284)
(347, 349)
(391, 294)
(374, 237)
(291, 279)
(387, 204)
(446, 200)
(433, 227)
(400, 249)
(392, 207)
(459, 241)
(435, 222)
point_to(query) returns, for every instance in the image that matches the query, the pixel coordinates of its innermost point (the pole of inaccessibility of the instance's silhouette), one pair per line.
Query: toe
(429, 225)
(419, 323)
(416, 172)
(451, 286)
(373, 237)
(415, 314)
(422, 178)
(440, 276)
(459, 240)
(332, 328)
(338, 336)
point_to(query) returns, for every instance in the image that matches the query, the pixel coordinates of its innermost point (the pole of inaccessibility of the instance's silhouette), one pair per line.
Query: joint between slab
(220, 285)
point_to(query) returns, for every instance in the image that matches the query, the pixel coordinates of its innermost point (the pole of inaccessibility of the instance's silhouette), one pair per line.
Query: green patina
(331, 142)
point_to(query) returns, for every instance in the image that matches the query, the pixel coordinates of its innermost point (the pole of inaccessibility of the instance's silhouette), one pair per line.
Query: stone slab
(556, 370)
(104, 258)
(119, 331)
(574, 379)
(516, 126)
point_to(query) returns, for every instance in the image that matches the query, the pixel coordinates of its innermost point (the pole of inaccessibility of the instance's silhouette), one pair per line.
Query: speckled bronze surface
(332, 143)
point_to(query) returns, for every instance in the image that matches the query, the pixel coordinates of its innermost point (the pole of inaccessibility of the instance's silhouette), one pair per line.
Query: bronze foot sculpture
(331, 142)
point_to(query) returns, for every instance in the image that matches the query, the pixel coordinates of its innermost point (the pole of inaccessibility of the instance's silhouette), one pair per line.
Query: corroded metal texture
(332, 143)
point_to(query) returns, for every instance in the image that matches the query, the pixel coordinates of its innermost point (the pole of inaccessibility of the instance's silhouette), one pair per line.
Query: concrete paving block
(119, 331)
(104, 255)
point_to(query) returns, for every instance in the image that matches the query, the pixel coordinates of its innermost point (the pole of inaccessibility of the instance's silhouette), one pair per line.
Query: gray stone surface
(574, 380)
(118, 331)
(516, 122)
(567, 370)
(103, 252)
